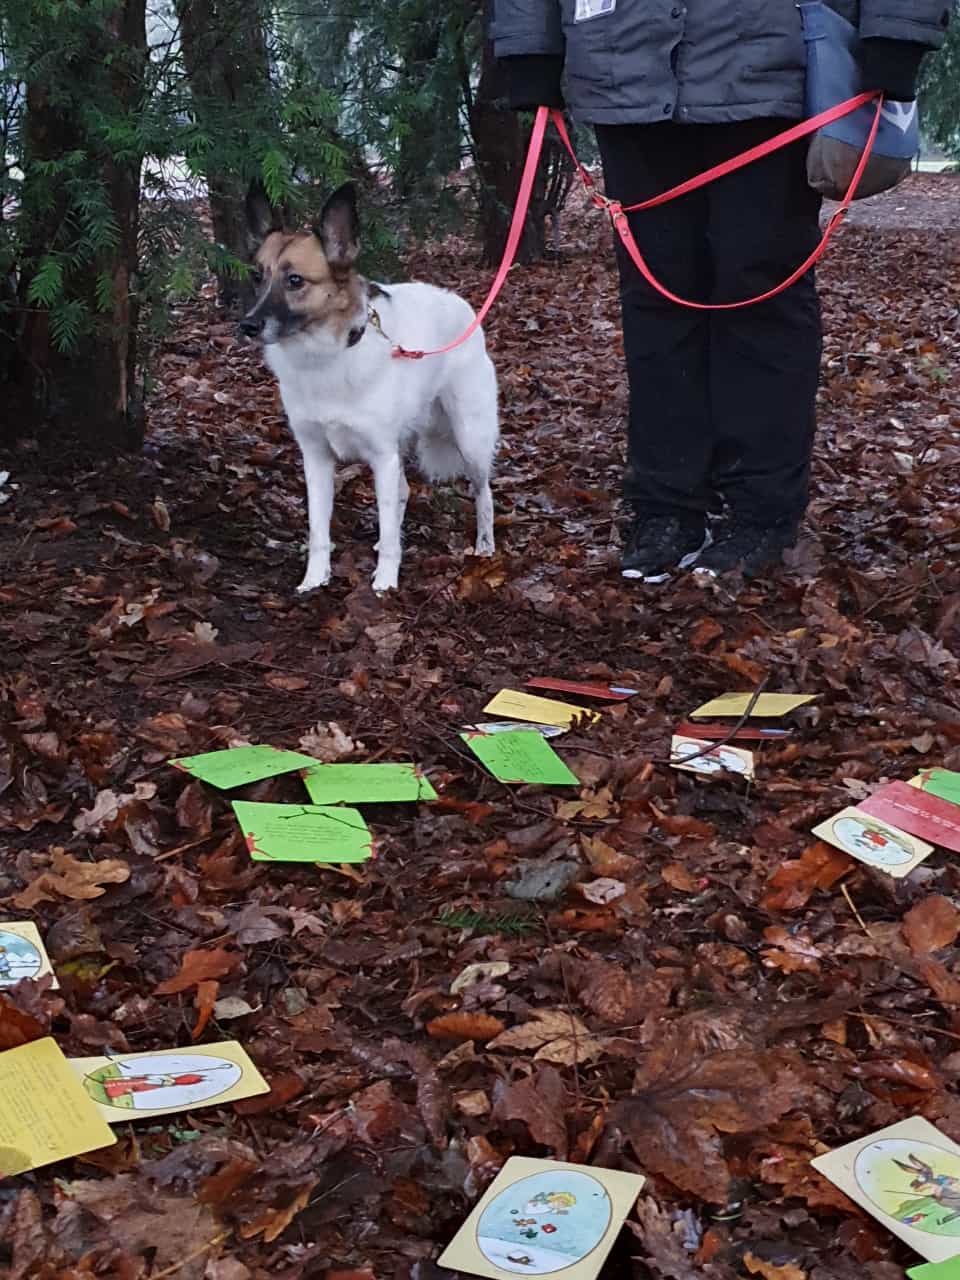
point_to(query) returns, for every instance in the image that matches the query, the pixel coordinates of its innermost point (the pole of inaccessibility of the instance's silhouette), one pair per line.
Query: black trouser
(722, 404)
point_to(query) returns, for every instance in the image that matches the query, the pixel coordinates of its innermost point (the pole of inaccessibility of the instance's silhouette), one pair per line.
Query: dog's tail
(438, 457)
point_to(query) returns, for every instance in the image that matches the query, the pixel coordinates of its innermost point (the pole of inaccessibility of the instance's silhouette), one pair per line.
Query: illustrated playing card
(543, 1216)
(878, 844)
(908, 1178)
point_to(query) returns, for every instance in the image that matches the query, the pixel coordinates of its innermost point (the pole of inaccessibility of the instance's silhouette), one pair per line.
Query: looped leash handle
(618, 212)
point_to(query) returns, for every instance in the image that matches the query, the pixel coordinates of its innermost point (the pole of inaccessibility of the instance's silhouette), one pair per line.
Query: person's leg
(666, 347)
(765, 359)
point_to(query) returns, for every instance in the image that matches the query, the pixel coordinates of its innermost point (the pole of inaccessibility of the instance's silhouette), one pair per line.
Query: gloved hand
(533, 80)
(892, 66)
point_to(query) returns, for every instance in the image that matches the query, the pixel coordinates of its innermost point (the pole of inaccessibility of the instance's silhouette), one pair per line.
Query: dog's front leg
(389, 482)
(318, 470)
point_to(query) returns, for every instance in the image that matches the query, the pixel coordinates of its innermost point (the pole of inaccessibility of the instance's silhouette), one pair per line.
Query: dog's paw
(384, 582)
(312, 582)
(484, 548)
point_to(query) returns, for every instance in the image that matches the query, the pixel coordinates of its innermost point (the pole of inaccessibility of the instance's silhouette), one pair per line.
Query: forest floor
(748, 999)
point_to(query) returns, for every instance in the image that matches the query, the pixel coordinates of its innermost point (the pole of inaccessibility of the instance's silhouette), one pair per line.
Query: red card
(609, 693)
(720, 732)
(917, 812)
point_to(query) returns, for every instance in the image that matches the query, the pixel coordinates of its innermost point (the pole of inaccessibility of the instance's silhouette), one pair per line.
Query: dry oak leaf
(68, 877)
(932, 924)
(770, 1270)
(558, 1037)
(199, 966)
(464, 1026)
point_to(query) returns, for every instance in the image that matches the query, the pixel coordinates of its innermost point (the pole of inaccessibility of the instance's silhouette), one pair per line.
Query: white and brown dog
(328, 336)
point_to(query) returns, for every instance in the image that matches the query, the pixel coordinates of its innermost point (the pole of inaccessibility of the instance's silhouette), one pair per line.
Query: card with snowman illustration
(543, 1216)
(22, 953)
(878, 844)
(908, 1177)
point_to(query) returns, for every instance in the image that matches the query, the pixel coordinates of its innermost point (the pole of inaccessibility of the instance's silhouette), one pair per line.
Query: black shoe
(745, 544)
(658, 544)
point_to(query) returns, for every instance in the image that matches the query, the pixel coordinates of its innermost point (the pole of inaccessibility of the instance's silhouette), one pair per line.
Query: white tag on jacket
(587, 9)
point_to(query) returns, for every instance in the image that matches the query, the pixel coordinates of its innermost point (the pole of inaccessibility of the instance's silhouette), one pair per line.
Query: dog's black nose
(251, 326)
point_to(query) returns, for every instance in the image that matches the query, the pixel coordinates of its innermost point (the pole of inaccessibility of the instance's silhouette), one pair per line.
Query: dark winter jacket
(709, 61)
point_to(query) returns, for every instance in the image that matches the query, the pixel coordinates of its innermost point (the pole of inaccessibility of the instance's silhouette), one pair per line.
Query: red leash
(618, 211)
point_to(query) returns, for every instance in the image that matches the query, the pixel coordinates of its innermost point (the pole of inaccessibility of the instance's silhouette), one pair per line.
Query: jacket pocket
(772, 36)
(591, 42)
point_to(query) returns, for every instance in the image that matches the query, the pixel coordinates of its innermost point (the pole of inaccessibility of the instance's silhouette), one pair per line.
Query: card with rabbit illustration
(908, 1178)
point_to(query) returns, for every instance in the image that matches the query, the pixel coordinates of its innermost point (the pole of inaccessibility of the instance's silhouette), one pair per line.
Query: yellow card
(878, 844)
(908, 1178)
(136, 1085)
(542, 1216)
(693, 756)
(45, 1115)
(22, 953)
(770, 706)
(515, 705)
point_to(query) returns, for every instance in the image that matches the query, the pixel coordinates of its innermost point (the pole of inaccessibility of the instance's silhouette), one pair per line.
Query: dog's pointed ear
(339, 228)
(262, 216)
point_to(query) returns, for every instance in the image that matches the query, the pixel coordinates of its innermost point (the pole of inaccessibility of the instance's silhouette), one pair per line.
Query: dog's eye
(294, 281)
(257, 277)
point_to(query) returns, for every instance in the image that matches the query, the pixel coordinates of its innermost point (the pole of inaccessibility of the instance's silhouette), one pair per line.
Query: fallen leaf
(603, 891)
(230, 1007)
(472, 1102)
(792, 885)
(558, 1037)
(199, 966)
(932, 924)
(204, 999)
(464, 1026)
(540, 1103)
(771, 1271)
(273, 1222)
(475, 973)
(70, 878)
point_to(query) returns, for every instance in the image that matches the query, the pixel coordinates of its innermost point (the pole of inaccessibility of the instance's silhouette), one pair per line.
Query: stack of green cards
(522, 757)
(303, 833)
(366, 783)
(238, 766)
(944, 783)
(936, 1270)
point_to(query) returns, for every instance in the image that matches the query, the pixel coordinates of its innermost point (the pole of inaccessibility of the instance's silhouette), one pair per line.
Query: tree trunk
(499, 145)
(228, 66)
(85, 388)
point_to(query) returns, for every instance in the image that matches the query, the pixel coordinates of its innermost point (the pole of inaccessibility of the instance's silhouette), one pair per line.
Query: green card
(239, 765)
(303, 833)
(520, 757)
(939, 782)
(949, 1270)
(366, 783)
